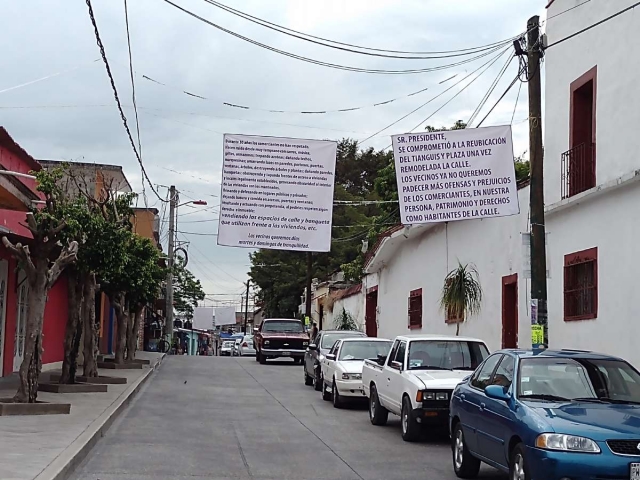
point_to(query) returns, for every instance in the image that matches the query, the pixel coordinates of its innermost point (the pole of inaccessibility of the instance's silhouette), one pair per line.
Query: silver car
(228, 348)
(245, 346)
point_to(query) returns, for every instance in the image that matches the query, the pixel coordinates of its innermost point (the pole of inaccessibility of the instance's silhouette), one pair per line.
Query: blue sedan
(551, 415)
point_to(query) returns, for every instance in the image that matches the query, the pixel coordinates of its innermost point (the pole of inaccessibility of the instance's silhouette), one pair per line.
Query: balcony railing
(578, 169)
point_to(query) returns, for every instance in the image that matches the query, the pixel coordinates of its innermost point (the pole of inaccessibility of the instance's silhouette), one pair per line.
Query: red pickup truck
(281, 337)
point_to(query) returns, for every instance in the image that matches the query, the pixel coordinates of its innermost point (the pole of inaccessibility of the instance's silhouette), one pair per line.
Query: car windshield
(580, 379)
(361, 350)
(446, 354)
(248, 338)
(328, 339)
(283, 326)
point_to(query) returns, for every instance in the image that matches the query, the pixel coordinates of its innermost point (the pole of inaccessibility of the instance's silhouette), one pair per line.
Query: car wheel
(317, 381)
(377, 413)
(465, 465)
(410, 428)
(326, 396)
(518, 466)
(335, 396)
(262, 359)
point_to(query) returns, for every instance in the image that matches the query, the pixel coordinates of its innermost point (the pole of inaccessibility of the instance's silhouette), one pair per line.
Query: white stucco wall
(493, 245)
(354, 305)
(608, 46)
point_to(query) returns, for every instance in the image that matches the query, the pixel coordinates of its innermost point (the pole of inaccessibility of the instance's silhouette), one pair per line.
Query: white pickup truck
(416, 378)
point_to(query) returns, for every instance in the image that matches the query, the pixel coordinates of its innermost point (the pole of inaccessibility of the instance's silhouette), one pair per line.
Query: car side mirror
(331, 356)
(397, 365)
(381, 359)
(313, 346)
(497, 392)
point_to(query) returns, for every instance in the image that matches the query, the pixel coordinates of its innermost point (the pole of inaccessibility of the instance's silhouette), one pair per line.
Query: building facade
(17, 194)
(592, 189)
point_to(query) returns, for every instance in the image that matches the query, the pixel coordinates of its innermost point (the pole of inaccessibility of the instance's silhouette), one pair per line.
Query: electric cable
(487, 95)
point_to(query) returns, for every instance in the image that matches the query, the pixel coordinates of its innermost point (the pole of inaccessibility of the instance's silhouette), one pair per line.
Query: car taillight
(245, 344)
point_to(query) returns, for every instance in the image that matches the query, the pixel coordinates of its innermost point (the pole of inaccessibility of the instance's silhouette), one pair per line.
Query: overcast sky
(74, 115)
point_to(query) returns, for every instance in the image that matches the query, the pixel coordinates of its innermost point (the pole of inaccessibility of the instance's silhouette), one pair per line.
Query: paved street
(236, 419)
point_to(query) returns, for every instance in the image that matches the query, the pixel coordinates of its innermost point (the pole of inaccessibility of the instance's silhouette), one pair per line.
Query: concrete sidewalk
(48, 447)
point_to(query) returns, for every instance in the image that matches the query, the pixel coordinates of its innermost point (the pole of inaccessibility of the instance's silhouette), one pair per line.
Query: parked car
(416, 379)
(551, 415)
(245, 346)
(342, 367)
(281, 337)
(228, 347)
(318, 348)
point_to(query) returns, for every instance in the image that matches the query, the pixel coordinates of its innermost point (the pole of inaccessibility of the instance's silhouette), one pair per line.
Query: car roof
(368, 339)
(564, 353)
(345, 332)
(282, 320)
(449, 338)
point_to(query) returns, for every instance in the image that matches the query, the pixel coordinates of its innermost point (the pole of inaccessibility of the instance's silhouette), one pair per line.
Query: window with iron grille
(581, 285)
(415, 308)
(452, 316)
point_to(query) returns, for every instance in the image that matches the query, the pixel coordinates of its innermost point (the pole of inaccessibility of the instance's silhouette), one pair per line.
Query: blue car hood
(596, 421)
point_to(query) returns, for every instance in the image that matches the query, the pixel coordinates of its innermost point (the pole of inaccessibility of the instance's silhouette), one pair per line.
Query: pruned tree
(345, 321)
(143, 259)
(43, 263)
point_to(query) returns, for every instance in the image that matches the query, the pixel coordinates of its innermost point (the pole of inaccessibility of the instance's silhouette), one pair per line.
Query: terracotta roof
(10, 144)
(347, 292)
(387, 233)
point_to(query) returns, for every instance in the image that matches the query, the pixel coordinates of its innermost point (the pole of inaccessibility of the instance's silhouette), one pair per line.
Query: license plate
(635, 471)
(286, 354)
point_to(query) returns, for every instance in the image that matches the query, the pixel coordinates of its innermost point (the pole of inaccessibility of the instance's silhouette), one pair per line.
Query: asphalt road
(237, 419)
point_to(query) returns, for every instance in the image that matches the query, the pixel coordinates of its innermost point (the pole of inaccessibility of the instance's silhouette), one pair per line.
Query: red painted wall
(55, 320)
(10, 323)
(10, 161)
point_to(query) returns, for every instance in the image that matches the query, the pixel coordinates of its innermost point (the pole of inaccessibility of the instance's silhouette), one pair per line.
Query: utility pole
(173, 202)
(307, 312)
(246, 308)
(539, 327)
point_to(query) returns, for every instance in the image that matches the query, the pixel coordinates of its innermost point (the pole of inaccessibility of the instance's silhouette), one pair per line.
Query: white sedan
(342, 367)
(245, 346)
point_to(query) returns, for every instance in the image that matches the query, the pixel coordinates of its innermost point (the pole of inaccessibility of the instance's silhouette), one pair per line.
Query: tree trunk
(73, 331)
(457, 328)
(132, 334)
(32, 361)
(90, 331)
(118, 302)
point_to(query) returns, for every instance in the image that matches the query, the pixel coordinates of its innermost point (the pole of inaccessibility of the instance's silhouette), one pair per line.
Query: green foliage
(143, 258)
(523, 168)
(345, 321)
(461, 293)
(187, 290)
(281, 276)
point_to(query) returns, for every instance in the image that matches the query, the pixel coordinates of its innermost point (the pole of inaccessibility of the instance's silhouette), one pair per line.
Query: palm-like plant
(461, 293)
(345, 321)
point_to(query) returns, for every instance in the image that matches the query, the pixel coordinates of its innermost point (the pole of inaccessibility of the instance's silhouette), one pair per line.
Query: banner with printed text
(277, 193)
(455, 175)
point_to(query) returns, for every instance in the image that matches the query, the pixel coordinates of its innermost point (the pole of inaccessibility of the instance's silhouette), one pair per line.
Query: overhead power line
(499, 100)
(325, 111)
(334, 65)
(586, 29)
(345, 46)
(485, 65)
(492, 87)
(115, 94)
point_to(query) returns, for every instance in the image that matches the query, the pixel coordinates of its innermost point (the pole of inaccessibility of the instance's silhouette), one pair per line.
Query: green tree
(187, 290)
(345, 321)
(43, 261)
(143, 258)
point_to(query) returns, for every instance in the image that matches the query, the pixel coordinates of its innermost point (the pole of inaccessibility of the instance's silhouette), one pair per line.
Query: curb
(65, 463)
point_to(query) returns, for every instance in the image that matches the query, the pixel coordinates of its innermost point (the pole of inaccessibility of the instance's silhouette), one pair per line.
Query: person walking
(314, 331)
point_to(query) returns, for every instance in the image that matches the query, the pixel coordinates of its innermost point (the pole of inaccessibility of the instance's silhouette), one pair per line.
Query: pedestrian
(314, 331)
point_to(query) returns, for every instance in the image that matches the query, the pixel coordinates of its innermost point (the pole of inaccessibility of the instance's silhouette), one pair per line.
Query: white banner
(455, 175)
(277, 193)
(203, 318)
(225, 316)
